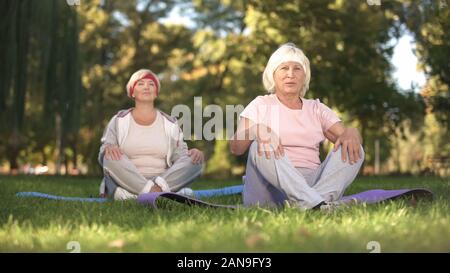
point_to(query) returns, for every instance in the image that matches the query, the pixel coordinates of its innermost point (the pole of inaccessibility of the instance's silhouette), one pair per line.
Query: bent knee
(362, 154)
(198, 168)
(253, 148)
(185, 162)
(112, 164)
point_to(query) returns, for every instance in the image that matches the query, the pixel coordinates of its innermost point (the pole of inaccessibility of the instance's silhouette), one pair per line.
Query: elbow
(236, 153)
(234, 149)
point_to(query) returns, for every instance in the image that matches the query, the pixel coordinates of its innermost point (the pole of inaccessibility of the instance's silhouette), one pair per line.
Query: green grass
(36, 225)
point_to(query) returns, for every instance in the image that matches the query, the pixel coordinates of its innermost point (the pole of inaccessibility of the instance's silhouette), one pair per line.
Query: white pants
(273, 181)
(124, 181)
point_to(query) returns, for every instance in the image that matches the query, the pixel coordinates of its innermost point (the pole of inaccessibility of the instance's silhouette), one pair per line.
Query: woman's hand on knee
(113, 152)
(268, 141)
(196, 155)
(350, 141)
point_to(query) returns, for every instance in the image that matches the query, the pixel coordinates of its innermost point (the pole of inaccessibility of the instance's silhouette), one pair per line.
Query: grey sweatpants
(123, 174)
(273, 181)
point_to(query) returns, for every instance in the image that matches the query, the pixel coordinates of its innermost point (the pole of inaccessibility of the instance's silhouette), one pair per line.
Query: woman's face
(289, 78)
(145, 90)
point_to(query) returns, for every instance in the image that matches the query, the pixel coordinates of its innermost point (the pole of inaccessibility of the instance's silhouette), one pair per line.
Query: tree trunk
(21, 44)
(75, 155)
(13, 152)
(58, 144)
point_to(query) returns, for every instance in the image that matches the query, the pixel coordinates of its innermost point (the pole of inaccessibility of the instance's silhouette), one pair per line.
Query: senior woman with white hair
(284, 130)
(143, 148)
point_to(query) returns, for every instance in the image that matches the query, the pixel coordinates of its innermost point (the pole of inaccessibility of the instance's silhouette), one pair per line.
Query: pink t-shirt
(300, 131)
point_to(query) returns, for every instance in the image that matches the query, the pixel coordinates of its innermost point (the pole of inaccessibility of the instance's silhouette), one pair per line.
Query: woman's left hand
(350, 140)
(196, 155)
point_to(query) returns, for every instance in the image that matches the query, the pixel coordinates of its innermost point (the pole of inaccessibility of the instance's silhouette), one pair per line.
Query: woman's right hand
(268, 141)
(113, 152)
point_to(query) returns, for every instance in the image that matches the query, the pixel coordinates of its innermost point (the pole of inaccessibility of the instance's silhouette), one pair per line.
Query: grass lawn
(36, 225)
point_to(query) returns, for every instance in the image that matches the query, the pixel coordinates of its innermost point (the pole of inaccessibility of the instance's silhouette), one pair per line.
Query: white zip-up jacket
(117, 131)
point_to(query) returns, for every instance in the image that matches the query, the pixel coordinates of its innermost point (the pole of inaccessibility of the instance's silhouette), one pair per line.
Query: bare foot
(156, 188)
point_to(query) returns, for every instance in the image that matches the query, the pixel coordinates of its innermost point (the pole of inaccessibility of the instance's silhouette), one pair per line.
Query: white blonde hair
(286, 53)
(138, 75)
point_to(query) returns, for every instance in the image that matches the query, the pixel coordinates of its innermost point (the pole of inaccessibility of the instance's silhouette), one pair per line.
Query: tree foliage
(64, 68)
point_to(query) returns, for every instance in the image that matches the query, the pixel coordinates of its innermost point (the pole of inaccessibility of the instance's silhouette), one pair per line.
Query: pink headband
(147, 76)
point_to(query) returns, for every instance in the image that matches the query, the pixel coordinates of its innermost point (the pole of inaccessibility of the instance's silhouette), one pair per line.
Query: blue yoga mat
(219, 192)
(57, 197)
(198, 194)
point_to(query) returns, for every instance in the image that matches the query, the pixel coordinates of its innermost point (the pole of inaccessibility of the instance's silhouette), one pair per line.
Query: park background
(382, 65)
(64, 66)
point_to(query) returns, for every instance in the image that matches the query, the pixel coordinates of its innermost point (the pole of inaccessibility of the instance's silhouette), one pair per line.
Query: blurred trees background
(64, 69)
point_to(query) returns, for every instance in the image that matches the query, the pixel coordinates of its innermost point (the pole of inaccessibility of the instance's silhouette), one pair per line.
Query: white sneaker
(162, 184)
(329, 207)
(121, 194)
(335, 205)
(187, 192)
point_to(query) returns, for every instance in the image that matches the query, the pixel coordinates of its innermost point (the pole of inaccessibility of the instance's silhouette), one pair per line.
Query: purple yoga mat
(375, 196)
(152, 197)
(370, 197)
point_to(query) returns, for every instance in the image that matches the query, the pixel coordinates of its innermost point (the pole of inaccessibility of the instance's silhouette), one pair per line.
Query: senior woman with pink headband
(283, 131)
(142, 148)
